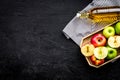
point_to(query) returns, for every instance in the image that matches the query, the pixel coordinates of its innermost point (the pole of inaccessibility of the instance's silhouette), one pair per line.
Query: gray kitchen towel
(77, 28)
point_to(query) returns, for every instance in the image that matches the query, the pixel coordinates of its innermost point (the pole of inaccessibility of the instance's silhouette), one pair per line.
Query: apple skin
(109, 31)
(112, 53)
(98, 40)
(117, 28)
(96, 61)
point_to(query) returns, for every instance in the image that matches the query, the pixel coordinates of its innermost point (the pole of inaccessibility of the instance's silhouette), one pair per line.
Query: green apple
(112, 53)
(117, 28)
(109, 31)
(100, 52)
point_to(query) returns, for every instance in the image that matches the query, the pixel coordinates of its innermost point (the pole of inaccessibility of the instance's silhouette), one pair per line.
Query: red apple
(98, 40)
(96, 61)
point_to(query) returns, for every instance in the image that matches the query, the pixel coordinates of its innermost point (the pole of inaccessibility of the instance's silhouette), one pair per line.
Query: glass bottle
(102, 14)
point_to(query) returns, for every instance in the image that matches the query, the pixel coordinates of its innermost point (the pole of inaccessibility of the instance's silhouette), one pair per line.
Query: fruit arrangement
(103, 45)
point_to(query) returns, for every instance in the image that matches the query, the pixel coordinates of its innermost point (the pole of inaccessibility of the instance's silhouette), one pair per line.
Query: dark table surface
(33, 47)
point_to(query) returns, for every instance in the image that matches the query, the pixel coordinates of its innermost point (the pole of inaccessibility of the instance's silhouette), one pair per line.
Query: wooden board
(86, 40)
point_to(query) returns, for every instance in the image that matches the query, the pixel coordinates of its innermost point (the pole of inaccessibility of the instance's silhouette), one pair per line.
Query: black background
(33, 47)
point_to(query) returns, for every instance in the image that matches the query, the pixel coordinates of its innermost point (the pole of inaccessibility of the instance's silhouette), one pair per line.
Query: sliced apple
(87, 50)
(114, 41)
(100, 52)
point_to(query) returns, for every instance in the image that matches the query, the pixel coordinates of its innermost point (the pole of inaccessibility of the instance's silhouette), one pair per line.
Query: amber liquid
(104, 17)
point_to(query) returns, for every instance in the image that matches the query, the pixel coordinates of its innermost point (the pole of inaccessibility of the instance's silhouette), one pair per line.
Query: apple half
(87, 50)
(100, 52)
(114, 41)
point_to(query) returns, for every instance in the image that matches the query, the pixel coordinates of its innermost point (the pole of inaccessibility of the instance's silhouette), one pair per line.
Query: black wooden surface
(33, 47)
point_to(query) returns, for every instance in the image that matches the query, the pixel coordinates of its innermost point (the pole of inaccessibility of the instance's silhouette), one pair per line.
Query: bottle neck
(83, 15)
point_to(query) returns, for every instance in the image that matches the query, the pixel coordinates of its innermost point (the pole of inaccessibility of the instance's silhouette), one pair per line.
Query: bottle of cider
(102, 14)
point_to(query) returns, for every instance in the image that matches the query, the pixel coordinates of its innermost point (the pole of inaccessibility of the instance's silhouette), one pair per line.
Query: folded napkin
(77, 28)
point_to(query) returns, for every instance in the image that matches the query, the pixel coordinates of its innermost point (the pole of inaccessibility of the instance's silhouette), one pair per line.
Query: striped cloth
(77, 28)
